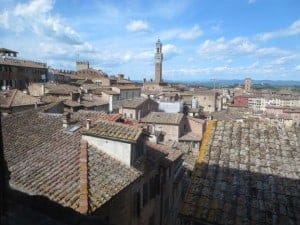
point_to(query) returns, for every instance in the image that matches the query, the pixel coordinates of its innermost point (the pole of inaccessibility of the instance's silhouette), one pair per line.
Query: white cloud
(137, 25)
(293, 29)
(170, 51)
(194, 33)
(35, 16)
(297, 67)
(222, 49)
(189, 34)
(251, 1)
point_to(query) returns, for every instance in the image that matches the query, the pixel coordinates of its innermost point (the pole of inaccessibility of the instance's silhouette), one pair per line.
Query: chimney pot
(88, 124)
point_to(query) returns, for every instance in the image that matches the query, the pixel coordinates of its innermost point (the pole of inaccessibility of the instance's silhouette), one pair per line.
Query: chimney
(88, 124)
(139, 115)
(110, 103)
(79, 99)
(66, 119)
(43, 89)
(83, 182)
(72, 96)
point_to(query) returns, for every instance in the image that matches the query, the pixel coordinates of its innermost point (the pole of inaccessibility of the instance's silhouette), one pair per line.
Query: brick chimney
(83, 198)
(66, 119)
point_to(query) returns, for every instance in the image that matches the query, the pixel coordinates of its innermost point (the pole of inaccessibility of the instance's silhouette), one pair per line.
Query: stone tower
(247, 84)
(82, 65)
(158, 62)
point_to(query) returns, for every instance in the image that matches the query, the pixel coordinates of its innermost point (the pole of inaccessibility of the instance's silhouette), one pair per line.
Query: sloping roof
(171, 154)
(130, 103)
(90, 73)
(114, 131)
(107, 176)
(15, 97)
(60, 89)
(163, 118)
(245, 173)
(44, 160)
(190, 137)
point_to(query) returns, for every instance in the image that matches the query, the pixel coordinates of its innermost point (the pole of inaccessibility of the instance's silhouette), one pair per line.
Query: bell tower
(158, 62)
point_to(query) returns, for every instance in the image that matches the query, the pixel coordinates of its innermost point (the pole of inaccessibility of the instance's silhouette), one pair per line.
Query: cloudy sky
(202, 39)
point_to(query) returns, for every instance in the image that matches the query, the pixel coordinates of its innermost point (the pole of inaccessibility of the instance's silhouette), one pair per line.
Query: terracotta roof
(115, 131)
(44, 160)
(107, 177)
(163, 118)
(90, 74)
(246, 173)
(130, 103)
(15, 97)
(190, 137)
(171, 154)
(60, 89)
(71, 103)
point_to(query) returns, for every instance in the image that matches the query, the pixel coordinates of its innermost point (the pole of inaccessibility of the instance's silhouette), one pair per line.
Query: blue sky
(202, 39)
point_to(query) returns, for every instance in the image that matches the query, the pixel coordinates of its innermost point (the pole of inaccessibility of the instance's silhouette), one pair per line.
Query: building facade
(19, 73)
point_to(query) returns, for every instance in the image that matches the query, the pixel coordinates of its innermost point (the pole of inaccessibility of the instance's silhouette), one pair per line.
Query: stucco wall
(118, 150)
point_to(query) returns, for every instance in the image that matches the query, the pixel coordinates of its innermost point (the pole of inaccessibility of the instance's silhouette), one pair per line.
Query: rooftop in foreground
(246, 173)
(44, 160)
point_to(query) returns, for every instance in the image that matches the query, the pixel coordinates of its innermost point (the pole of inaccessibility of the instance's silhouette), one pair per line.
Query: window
(131, 115)
(145, 194)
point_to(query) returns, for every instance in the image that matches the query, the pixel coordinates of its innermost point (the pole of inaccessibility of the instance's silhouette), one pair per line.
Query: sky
(202, 39)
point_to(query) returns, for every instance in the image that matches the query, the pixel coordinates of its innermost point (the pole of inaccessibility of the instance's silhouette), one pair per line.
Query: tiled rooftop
(115, 131)
(44, 160)
(190, 136)
(130, 103)
(246, 173)
(106, 177)
(172, 154)
(163, 118)
(15, 97)
(63, 89)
